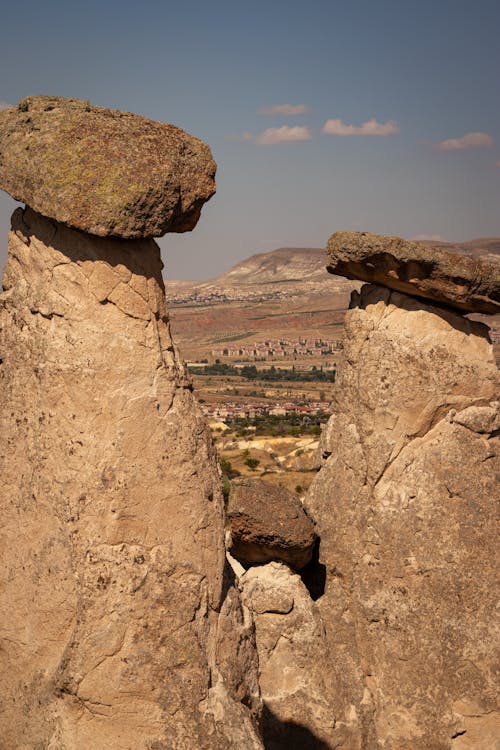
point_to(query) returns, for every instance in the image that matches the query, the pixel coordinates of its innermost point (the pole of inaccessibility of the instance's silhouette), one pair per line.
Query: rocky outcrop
(458, 281)
(266, 522)
(404, 506)
(121, 626)
(103, 171)
(303, 701)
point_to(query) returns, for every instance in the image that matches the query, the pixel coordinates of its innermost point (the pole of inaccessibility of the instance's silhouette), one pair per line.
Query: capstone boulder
(458, 281)
(103, 171)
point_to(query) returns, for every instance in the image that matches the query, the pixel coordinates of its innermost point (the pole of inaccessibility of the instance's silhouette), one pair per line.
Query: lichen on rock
(106, 172)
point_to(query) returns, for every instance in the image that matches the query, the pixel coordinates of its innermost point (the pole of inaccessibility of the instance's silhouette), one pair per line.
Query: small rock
(103, 171)
(480, 419)
(458, 281)
(268, 523)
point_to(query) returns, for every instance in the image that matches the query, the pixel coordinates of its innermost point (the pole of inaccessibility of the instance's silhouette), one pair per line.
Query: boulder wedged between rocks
(103, 171)
(268, 523)
(466, 284)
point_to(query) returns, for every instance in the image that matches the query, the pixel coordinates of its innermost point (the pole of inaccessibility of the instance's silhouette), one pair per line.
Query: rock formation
(404, 506)
(121, 627)
(303, 706)
(103, 171)
(266, 523)
(458, 281)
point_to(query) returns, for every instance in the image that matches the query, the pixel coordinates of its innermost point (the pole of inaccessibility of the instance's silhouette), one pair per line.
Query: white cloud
(284, 134)
(428, 237)
(469, 140)
(370, 127)
(283, 109)
(5, 105)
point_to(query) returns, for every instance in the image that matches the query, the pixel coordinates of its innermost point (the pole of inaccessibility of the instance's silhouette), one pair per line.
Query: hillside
(284, 264)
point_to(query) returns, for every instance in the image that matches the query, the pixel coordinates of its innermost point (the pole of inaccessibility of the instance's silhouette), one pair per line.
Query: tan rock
(303, 705)
(459, 281)
(119, 626)
(103, 171)
(404, 506)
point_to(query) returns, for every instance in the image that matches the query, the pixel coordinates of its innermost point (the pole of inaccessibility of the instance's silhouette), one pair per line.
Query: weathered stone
(303, 701)
(119, 626)
(103, 171)
(465, 283)
(266, 523)
(405, 508)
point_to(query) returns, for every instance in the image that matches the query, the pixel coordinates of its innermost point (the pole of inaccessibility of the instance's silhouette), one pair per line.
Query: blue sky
(426, 74)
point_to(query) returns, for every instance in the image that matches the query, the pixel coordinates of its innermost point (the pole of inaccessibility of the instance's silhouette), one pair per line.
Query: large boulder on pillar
(405, 508)
(103, 171)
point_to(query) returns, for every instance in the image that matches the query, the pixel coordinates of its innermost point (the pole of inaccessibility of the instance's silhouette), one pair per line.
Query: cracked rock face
(113, 566)
(303, 699)
(405, 508)
(103, 171)
(458, 281)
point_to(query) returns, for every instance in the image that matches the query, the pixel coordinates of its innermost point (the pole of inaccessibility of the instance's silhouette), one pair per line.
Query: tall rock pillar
(405, 501)
(119, 625)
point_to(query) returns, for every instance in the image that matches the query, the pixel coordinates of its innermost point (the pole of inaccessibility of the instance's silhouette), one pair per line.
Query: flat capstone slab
(458, 281)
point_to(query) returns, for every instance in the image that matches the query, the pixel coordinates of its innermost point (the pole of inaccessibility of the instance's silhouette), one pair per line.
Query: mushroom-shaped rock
(458, 281)
(103, 171)
(268, 523)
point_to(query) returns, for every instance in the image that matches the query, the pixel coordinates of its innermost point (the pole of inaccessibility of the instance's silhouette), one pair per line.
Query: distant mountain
(293, 273)
(284, 264)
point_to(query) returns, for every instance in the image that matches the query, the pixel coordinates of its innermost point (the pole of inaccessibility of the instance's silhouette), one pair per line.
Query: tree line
(271, 374)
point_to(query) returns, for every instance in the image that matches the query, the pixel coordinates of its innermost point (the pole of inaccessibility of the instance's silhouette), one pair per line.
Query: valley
(282, 314)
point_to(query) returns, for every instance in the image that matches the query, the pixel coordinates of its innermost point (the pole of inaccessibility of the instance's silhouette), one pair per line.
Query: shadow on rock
(286, 735)
(314, 575)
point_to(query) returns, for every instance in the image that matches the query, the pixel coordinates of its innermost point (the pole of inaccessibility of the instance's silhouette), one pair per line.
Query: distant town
(280, 348)
(233, 409)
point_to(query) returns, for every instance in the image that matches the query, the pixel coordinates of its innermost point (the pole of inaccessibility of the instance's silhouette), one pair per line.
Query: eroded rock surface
(461, 282)
(119, 626)
(103, 171)
(405, 505)
(303, 700)
(266, 523)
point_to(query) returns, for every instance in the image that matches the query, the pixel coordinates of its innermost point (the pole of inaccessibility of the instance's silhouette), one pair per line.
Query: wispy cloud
(5, 105)
(469, 140)
(283, 109)
(370, 127)
(428, 237)
(246, 136)
(284, 134)
(270, 136)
